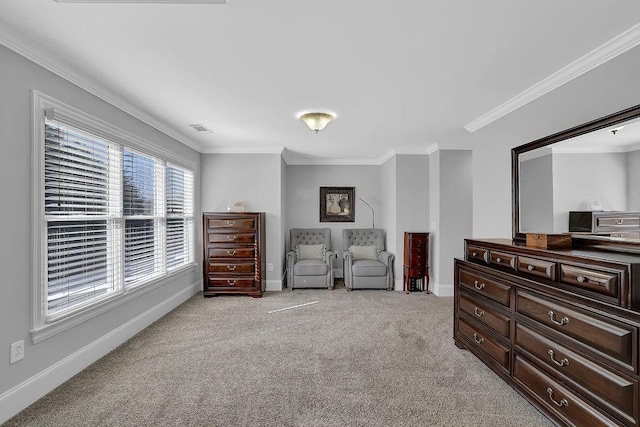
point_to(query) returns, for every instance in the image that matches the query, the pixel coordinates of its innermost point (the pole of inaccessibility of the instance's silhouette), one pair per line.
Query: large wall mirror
(591, 167)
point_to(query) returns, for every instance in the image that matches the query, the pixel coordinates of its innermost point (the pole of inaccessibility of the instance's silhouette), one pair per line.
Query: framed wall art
(337, 204)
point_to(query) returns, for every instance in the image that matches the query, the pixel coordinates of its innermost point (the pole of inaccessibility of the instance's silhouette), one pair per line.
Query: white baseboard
(273, 285)
(24, 394)
(443, 290)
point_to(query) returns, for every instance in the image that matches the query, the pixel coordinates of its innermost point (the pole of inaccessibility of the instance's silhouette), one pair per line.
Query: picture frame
(337, 204)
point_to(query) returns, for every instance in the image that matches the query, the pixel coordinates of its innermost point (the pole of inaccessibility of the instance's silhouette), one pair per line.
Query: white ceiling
(400, 75)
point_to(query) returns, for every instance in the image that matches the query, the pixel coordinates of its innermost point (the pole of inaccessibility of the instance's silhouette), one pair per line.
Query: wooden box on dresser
(234, 253)
(560, 326)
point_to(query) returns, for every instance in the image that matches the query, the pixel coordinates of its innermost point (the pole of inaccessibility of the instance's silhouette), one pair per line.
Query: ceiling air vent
(201, 128)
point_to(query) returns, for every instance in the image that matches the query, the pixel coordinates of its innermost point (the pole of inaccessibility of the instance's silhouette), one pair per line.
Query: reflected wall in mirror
(592, 167)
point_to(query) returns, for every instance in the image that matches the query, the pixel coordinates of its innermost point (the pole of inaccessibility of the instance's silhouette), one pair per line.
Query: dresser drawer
(484, 285)
(626, 234)
(611, 338)
(477, 253)
(485, 342)
(484, 313)
(230, 252)
(232, 237)
(231, 282)
(555, 397)
(231, 268)
(617, 221)
(608, 387)
(537, 267)
(503, 259)
(231, 223)
(606, 283)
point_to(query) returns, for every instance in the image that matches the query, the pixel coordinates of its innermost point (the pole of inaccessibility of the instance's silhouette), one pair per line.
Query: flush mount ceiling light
(148, 1)
(317, 121)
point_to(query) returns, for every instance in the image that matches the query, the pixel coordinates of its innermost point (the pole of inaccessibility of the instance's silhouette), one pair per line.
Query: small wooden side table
(416, 259)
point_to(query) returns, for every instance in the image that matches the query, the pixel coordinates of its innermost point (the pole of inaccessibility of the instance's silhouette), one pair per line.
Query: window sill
(42, 332)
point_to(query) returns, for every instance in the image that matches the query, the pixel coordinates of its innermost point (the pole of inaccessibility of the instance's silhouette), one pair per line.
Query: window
(112, 216)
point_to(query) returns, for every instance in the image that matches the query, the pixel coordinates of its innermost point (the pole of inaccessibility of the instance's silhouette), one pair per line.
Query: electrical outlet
(269, 267)
(17, 351)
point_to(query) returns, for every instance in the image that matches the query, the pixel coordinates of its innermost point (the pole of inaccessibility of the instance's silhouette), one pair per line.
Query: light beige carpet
(361, 358)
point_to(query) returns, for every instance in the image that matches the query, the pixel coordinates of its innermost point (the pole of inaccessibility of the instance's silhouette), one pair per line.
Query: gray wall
(579, 178)
(57, 358)
(536, 194)
(255, 180)
(633, 180)
(456, 212)
(601, 91)
(303, 203)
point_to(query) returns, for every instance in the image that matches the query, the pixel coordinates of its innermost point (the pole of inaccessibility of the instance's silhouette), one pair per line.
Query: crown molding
(243, 150)
(609, 50)
(35, 53)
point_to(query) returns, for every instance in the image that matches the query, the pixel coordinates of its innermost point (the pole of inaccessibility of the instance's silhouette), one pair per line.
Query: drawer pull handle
(582, 279)
(563, 362)
(478, 286)
(231, 267)
(478, 313)
(562, 403)
(231, 223)
(474, 253)
(231, 253)
(498, 260)
(530, 267)
(477, 339)
(619, 221)
(562, 321)
(232, 282)
(234, 237)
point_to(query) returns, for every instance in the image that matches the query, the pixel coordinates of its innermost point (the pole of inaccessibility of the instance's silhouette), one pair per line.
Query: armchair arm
(387, 257)
(291, 260)
(389, 260)
(347, 261)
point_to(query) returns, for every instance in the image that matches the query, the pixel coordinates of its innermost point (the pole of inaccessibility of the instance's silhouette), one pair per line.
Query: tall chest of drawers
(560, 326)
(416, 259)
(234, 253)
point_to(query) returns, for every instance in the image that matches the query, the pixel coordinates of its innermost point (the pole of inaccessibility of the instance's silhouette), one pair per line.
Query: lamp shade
(316, 121)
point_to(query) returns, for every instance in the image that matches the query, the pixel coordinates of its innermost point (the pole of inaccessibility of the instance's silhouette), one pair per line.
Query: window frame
(43, 326)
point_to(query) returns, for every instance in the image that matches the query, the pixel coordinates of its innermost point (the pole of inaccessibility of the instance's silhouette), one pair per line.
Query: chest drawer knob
(477, 339)
(561, 403)
(231, 267)
(231, 253)
(619, 221)
(563, 362)
(234, 237)
(474, 253)
(530, 267)
(232, 282)
(582, 279)
(478, 285)
(231, 223)
(498, 260)
(561, 322)
(478, 312)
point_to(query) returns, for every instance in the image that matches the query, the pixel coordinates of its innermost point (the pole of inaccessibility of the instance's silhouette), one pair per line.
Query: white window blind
(179, 183)
(143, 202)
(113, 217)
(80, 184)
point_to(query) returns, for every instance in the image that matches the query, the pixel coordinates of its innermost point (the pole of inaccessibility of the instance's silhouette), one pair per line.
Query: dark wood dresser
(234, 253)
(416, 259)
(560, 326)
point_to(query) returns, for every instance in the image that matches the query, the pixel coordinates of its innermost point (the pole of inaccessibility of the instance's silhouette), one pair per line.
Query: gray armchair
(310, 260)
(366, 264)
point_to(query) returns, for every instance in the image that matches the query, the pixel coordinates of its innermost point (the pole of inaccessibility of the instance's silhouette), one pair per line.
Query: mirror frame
(594, 125)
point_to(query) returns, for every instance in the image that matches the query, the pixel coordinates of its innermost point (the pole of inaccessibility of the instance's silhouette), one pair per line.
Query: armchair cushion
(311, 252)
(364, 252)
(310, 267)
(368, 268)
